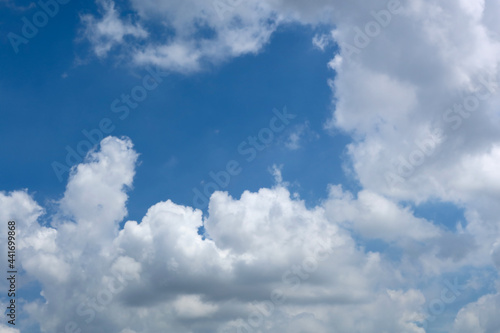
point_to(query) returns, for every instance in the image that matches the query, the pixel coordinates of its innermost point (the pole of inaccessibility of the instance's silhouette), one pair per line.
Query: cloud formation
(415, 85)
(159, 274)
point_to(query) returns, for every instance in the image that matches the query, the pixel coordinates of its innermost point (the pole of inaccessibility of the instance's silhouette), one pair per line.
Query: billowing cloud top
(268, 261)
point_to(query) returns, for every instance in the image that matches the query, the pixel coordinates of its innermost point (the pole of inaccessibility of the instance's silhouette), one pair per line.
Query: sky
(248, 166)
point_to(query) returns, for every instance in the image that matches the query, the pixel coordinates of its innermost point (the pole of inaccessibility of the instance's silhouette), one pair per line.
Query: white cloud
(95, 189)
(415, 98)
(418, 103)
(480, 316)
(392, 98)
(110, 30)
(160, 275)
(196, 32)
(374, 216)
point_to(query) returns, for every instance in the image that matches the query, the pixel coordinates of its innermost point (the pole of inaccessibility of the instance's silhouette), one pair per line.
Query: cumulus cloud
(480, 316)
(159, 274)
(415, 85)
(422, 106)
(374, 216)
(267, 260)
(424, 123)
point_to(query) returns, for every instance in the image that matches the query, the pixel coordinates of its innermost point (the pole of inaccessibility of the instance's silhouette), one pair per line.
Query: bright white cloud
(416, 87)
(159, 274)
(421, 100)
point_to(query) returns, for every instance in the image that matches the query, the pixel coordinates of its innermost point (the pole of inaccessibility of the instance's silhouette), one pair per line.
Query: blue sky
(187, 127)
(366, 107)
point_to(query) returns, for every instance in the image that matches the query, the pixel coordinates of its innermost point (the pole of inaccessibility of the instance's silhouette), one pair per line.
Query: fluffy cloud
(416, 85)
(422, 106)
(481, 316)
(424, 123)
(268, 262)
(160, 274)
(374, 216)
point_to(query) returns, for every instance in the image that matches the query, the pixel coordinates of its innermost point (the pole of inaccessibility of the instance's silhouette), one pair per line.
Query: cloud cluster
(417, 89)
(160, 274)
(421, 101)
(427, 125)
